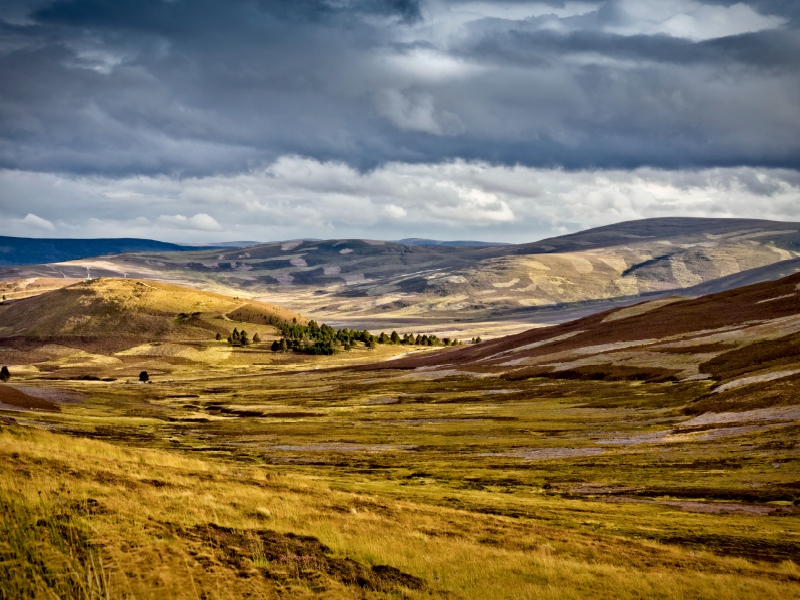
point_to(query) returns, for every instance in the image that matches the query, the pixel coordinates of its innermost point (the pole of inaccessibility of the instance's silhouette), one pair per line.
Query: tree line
(323, 339)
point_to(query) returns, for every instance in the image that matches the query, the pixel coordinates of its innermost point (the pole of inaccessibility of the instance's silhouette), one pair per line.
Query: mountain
(373, 284)
(427, 242)
(32, 251)
(239, 244)
(745, 342)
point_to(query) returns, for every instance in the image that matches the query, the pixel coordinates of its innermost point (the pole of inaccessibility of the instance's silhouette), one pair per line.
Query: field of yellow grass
(240, 472)
(89, 519)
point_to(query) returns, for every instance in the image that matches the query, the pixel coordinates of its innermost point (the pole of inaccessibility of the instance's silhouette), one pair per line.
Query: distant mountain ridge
(427, 242)
(34, 251)
(361, 280)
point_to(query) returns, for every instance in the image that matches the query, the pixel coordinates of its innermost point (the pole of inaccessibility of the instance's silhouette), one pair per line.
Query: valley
(649, 447)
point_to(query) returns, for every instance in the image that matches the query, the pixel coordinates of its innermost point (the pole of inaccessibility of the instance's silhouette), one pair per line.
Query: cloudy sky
(210, 120)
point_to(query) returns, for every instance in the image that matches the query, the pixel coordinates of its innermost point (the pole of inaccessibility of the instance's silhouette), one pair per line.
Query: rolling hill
(126, 311)
(377, 285)
(745, 341)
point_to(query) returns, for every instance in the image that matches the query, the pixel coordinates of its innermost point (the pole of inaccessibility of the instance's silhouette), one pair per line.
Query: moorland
(640, 451)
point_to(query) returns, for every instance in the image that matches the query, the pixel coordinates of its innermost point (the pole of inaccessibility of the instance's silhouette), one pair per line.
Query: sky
(208, 120)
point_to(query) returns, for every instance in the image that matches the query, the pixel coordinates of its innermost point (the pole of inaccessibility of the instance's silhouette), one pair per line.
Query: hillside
(32, 251)
(744, 341)
(366, 279)
(464, 291)
(126, 308)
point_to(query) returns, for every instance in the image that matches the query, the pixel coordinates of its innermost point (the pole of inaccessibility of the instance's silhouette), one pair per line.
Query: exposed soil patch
(714, 508)
(15, 398)
(776, 393)
(343, 448)
(291, 556)
(548, 453)
(51, 394)
(729, 545)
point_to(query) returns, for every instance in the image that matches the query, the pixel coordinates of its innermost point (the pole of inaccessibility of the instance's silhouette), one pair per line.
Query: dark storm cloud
(121, 87)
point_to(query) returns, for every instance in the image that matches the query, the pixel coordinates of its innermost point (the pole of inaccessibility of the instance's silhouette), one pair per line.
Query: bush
(144, 377)
(4, 374)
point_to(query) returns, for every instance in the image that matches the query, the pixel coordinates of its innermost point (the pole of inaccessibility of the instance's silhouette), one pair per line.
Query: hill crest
(128, 308)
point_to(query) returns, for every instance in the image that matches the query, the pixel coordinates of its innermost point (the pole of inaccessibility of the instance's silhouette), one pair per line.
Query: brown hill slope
(127, 308)
(738, 341)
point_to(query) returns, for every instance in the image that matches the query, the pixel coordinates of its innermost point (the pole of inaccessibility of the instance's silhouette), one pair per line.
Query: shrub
(144, 377)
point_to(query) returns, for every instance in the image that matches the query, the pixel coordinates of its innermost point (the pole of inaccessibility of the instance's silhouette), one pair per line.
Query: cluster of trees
(409, 339)
(318, 339)
(314, 338)
(240, 338)
(477, 340)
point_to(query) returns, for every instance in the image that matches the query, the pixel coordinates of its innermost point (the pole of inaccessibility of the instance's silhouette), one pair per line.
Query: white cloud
(199, 222)
(394, 211)
(31, 220)
(300, 197)
(690, 19)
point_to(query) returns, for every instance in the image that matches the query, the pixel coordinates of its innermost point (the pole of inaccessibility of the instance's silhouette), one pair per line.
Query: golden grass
(122, 518)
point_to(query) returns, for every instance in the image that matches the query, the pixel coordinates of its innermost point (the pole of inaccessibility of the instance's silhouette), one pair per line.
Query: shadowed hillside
(31, 251)
(739, 339)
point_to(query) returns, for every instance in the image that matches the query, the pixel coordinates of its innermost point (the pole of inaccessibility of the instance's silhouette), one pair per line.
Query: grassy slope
(127, 308)
(721, 337)
(248, 477)
(462, 513)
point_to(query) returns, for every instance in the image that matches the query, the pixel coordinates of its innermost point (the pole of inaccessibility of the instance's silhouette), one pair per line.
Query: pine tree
(256, 339)
(219, 337)
(4, 374)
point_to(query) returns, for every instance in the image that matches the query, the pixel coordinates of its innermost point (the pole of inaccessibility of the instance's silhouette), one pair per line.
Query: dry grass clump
(45, 550)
